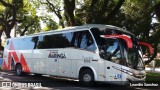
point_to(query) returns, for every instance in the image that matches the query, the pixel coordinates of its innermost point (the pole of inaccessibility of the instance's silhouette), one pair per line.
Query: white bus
(89, 53)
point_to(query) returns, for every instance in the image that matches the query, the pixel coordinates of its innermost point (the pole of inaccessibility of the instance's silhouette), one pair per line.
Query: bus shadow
(53, 81)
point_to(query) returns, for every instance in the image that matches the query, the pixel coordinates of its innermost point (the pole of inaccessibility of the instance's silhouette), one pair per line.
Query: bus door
(113, 60)
(113, 52)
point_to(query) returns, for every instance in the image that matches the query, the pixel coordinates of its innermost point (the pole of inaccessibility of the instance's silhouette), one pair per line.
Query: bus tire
(18, 70)
(86, 78)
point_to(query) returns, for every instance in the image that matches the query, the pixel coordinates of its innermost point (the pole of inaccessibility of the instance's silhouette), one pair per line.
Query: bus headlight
(130, 73)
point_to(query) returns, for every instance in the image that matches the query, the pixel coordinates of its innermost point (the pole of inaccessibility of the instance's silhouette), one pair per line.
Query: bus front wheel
(87, 77)
(18, 70)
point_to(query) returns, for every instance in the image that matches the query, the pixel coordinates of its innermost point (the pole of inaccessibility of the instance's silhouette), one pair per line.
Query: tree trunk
(1, 47)
(114, 11)
(62, 23)
(157, 10)
(7, 32)
(69, 7)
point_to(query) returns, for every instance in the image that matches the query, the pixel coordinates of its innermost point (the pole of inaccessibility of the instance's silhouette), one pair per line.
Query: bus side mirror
(147, 45)
(124, 37)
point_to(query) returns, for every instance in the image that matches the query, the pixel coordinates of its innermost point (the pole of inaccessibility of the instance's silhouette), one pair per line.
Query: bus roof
(77, 28)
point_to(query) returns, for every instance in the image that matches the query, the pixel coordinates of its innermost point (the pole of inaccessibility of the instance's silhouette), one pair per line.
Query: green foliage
(138, 20)
(50, 25)
(152, 77)
(138, 16)
(18, 3)
(25, 18)
(2, 9)
(136, 9)
(157, 64)
(96, 11)
(31, 21)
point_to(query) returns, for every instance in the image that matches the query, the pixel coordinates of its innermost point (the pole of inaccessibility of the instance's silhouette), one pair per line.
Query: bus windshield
(116, 50)
(133, 56)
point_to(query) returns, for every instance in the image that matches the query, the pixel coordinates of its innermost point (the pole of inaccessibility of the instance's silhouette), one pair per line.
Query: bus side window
(87, 42)
(84, 40)
(54, 41)
(40, 42)
(68, 38)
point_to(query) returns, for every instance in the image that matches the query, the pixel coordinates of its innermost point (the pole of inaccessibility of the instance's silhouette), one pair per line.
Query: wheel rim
(19, 70)
(87, 78)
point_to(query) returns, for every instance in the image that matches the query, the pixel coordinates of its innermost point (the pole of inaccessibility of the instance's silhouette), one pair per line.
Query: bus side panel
(12, 57)
(64, 67)
(65, 63)
(39, 61)
(87, 59)
(25, 59)
(52, 66)
(113, 74)
(71, 56)
(5, 65)
(101, 70)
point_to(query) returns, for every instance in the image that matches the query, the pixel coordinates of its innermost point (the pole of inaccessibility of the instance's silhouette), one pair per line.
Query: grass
(152, 77)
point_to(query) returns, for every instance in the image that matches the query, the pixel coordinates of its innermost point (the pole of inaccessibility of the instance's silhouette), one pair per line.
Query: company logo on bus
(55, 54)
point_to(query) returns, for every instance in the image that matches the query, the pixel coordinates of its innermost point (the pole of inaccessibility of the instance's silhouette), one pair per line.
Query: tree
(31, 22)
(136, 16)
(69, 7)
(8, 16)
(30, 25)
(138, 20)
(50, 24)
(54, 6)
(61, 8)
(99, 11)
(157, 10)
(16, 12)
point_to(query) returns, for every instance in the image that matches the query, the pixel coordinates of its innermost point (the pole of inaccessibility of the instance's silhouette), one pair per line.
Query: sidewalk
(157, 70)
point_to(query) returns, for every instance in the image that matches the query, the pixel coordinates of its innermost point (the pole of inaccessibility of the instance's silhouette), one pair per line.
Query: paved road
(54, 83)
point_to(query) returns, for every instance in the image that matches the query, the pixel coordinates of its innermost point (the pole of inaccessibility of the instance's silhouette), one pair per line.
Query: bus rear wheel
(87, 78)
(18, 70)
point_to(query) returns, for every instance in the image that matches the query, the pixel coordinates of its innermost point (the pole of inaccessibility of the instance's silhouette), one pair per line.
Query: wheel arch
(81, 69)
(18, 64)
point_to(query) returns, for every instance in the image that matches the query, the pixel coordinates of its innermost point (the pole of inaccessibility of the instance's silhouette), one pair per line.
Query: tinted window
(80, 39)
(68, 38)
(96, 33)
(54, 41)
(83, 40)
(110, 50)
